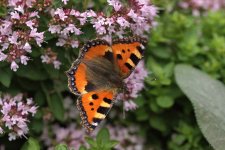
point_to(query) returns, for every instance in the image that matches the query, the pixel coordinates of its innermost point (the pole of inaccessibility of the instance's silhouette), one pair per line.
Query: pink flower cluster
(134, 84)
(14, 113)
(135, 19)
(71, 135)
(49, 57)
(18, 31)
(74, 137)
(198, 5)
(127, 137)
(66, 24)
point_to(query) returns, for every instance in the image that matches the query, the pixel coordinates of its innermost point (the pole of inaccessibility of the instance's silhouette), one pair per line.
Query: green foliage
(61, 147)
(31, 144)
(207, 96)
(102, 141)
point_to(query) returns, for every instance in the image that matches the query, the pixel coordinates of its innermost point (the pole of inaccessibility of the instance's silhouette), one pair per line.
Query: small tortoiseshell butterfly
(98, 73)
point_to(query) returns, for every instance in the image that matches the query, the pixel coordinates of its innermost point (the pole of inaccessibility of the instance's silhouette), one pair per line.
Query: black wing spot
(91, 103)
(123, 51)
(140, 49)
(109, 101)
(109, 56)
(119, 56)
(89, 87)
(128, 66)
(94, 96)
(92, 109)
(102, 110)
(134, 58)
(128, 50)
(97, 120)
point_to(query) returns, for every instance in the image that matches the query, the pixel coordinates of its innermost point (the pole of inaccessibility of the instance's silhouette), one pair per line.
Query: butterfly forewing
(77, 74)
(127, 53)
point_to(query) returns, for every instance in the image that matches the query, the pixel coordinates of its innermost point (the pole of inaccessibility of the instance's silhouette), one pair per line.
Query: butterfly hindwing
(94, 107)
(77, 77)
(127, 53)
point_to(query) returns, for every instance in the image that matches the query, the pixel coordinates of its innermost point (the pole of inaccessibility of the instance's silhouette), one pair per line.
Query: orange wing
(77, 79)
(127, 53)
(94, 106)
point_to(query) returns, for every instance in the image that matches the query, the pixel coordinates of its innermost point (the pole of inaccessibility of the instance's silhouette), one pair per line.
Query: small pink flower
(34, 14)
(2, 56)
(1, 131)
(33, 110)
(65, 1)
(115, 3)
(54, 28)
(122, 22)
(15, 15)
(14, 66)
(30, 24)
(24, 59)
(20, 9)
(56, 64)
(39, 37)
(61, 14)
(60, 42)
(91, 13)
(12, 136)
(45, 59)
(74, 44)
(109, 21)
(13, 39)
(27, 47)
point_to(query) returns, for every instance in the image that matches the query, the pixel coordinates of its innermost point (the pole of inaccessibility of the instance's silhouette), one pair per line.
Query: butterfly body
(98, 73)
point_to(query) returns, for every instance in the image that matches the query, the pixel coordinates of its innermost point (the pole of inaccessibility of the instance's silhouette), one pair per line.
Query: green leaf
(61, 147)
(102, 136)
(56, 106)
(111, 144)
(40, 98)
(6, 76)
(91, 141)
(82, 148)
(165, 101)
(207, 96)
(31, 144)
(37, 126)
(32, 71)
(158, 123)
(52, 72)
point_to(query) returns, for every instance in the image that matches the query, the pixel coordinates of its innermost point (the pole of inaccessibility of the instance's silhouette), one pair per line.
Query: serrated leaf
(208, 98)
(61, 147)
